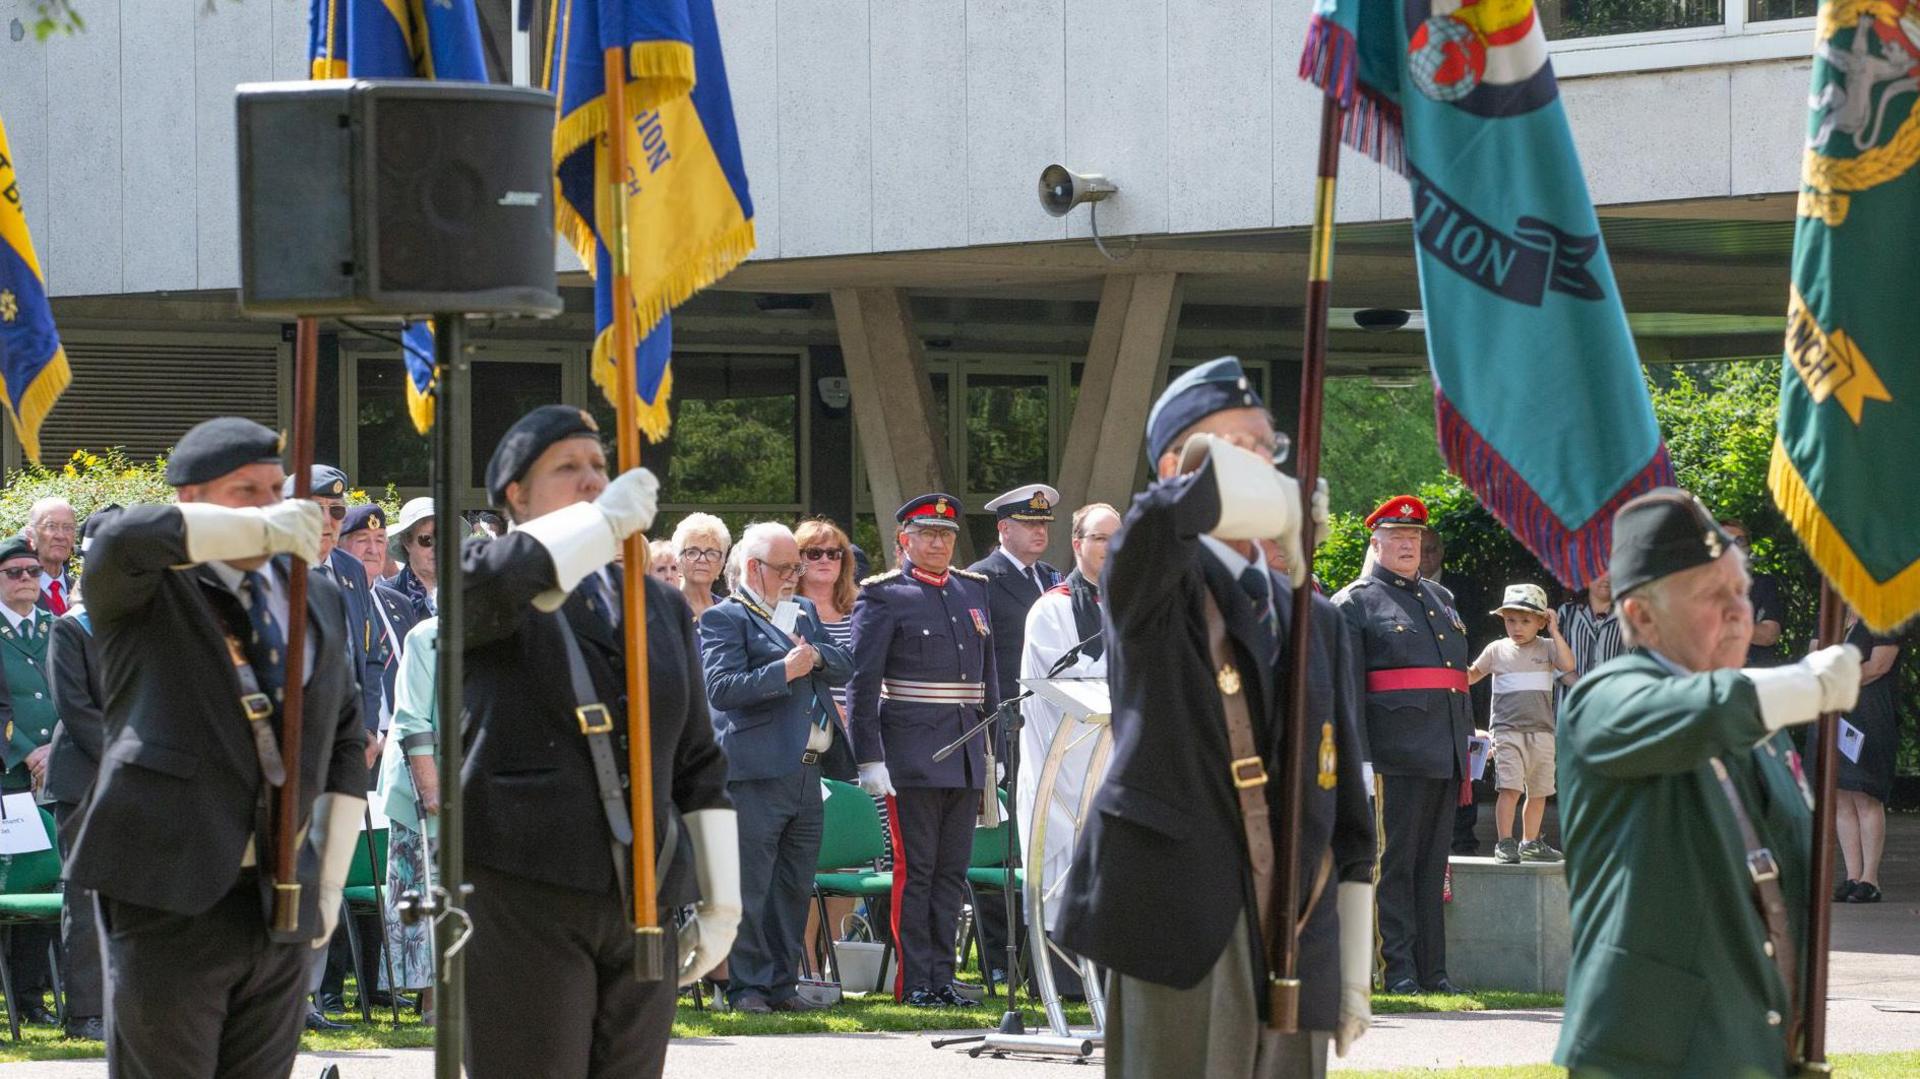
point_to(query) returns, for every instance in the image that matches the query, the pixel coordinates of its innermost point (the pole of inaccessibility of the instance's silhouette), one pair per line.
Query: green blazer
(24, 662)
(1669, 975)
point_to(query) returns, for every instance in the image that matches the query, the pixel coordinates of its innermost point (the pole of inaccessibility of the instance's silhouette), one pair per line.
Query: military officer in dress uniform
(1413, 655)
(23, 660)
(1686, 816)
(551, 986)
(923, 671)
(188, 604)
(1172, 885)
(329, 489)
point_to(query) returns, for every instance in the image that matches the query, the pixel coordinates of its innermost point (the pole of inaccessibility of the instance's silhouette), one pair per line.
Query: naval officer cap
(362, 518)
(934, 510)
(528, 438)
(218, 446)
(17, 547)
(1661, 533)
(326, 481)
(1034, 502)
(1214, 386)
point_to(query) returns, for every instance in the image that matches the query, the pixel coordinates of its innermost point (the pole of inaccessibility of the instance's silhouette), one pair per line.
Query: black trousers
(340, 954)
(550, 985)
(932, 843)
(779, 852)
(1416, 816)
(206, 995)
(79, 940)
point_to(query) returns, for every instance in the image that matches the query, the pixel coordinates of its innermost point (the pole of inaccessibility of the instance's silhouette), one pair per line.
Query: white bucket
(859, 964)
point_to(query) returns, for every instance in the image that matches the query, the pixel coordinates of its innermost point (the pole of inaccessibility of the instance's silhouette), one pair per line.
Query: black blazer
(175, 800)
(73, 669)
(1395, 622)
(532, 807)
(1009, 597)
(1167, 834)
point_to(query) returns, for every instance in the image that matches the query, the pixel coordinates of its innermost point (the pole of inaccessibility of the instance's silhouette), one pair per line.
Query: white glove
(586, 535)
(707, 938)
(1322, 530)
(224, 534)
(629, 502)
(1826, 681)
(335, 833)
(1354, 904)
(875, 780)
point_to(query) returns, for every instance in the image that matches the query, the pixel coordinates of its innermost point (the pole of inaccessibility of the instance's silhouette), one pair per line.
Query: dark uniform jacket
(905, 628)
(1010, 595)
(24, 661)
(761, 720)
(1160, 875)
(351, 575)
(73, 664)
(1405, 622)
(393, 616)
(532, 806)
(180, 785)
(1669, 973)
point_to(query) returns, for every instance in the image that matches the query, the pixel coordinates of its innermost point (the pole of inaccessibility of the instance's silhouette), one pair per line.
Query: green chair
(30, 895)
(850, 837)
(987, 875)
(364, 893)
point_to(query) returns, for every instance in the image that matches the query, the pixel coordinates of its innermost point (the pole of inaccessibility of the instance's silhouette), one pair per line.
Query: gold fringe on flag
(420, 406)
(1883, 605)
(42, 392)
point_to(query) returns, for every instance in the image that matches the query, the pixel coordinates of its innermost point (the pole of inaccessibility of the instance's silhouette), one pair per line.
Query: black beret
(218, 446)
(361, 518)
(1661, 533)
(326, 482)
(1214, 386)
(17, 547)
(528, 438)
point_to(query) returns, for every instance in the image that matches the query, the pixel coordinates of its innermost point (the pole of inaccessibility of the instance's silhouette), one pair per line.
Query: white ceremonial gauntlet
(1826, 681)
(708, 937)
(225, 534)
(1354, 903)
(335, 831)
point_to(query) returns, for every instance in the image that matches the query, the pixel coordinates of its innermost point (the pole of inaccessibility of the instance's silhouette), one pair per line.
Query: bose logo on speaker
(520, 198)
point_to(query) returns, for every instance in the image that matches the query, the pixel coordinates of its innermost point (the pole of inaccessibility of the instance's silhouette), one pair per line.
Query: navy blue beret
(218, 446)
(327, 482)
(528, 438)
(1214, 386)
(361, 518)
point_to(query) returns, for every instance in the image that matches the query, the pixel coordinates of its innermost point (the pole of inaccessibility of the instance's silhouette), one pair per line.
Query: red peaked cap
(1399, 510)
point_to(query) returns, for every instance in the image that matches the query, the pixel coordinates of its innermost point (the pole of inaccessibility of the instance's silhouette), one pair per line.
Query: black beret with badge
(1214, 386)
(528, 438)
(361, 518)
(1661, 533)
(218, 446)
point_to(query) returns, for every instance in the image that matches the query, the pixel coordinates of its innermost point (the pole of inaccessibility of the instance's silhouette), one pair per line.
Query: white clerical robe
(1050, 633)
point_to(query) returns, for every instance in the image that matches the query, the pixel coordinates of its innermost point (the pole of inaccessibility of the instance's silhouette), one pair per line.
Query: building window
(1769, 10)
(1566, 19)
(391, 451)
(503, 391)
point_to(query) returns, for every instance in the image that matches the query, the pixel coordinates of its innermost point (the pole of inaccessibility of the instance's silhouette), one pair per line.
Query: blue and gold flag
(1460, 97)
(400, 39)
(33, 365)
(689, 217)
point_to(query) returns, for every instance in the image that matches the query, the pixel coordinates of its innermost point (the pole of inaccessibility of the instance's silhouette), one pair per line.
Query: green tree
(1378, 442)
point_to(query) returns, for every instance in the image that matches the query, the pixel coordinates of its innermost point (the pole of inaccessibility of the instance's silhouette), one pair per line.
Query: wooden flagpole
(1820, 888)
(649, 937)
(286, 832)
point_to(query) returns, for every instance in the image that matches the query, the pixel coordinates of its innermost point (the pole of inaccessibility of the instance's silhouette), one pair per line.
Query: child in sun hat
(1524, 667)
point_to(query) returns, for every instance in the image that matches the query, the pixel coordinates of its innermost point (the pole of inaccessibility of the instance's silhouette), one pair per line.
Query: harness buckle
(1242, 779)
(594, 718)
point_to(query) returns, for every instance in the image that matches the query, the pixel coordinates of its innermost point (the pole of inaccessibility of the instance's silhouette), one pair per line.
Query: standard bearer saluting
(189, 606)
(923, 671)
(1687, 821)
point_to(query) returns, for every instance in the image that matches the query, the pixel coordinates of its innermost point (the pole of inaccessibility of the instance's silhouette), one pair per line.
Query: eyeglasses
(934, 535)
(1277, 450)
(21, 573)
(815, 554)
(335, 510)
(784, 569)
(701, 554)
(1743, 542)
(57, 529)
(1095, 537)
(423, 541)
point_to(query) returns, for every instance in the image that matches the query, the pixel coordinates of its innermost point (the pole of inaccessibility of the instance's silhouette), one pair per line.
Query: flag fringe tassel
(1573, 555)
(1370, 123)
(42, 392)
(420, 406)
(653, 417)
(1883, 605)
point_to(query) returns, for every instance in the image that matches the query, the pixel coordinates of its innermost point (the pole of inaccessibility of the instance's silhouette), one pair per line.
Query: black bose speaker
(395, 197)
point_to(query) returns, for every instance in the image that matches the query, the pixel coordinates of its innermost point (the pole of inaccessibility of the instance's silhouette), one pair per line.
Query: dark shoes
(1441, 986)
(751, 1004)
(923, 998)
(1507, 851)
(1844, 890)
(1864, 893)
(798, 1005)
(1536, 850)
(91, 1029)
(319, 1023)
(951, 996)
(34, 1011)
(331, 1003)
(1405, 987)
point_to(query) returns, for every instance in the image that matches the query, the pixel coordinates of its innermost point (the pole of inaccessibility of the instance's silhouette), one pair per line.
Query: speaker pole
(451, 468)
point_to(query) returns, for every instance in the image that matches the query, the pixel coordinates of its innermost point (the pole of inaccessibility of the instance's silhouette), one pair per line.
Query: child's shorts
(1523, 761)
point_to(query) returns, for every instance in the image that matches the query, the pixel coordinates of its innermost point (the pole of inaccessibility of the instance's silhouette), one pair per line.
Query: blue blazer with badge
(760, 719)
(362, 636)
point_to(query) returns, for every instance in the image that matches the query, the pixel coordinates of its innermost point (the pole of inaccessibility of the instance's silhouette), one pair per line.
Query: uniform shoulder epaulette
(878, 577)
(968, 574)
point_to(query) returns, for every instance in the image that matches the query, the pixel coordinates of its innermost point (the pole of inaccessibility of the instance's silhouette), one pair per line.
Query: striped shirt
(1594, 638)
(842, 634)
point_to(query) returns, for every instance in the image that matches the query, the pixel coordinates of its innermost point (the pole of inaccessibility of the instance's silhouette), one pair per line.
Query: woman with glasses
(412, 544)
(700, 545)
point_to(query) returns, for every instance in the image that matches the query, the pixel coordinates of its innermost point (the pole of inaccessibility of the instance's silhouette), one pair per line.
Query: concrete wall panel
(1639, 143)
(292, 36)
(158, 175)
(23, 107)
(234, 43)
(1116, 85)
(1769, 116)
(919, 102)
(826, 138)
(1220, 67)
(82, 250)
(748, 33)
(1296, 136)
(1016, 116)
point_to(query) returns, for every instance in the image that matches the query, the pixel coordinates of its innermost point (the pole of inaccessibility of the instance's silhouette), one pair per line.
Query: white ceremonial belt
(900, 689)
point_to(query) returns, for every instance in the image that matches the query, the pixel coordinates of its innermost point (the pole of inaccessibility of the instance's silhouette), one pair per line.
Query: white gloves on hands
(223, 534)
(708, 937)
(875, 780)
(1322, 531)
(1354, 904)
(1826, 681)
(1259, 502)
(335, 832)
(630, 502)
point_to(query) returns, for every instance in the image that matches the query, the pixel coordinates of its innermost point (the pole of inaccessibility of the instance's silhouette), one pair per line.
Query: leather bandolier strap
(1772, 905)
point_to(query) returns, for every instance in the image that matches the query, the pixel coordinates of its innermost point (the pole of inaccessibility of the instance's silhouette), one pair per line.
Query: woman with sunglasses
(700, 545)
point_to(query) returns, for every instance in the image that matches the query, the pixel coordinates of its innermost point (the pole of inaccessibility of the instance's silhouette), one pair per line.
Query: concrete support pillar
(904, 452)
(1126, 366)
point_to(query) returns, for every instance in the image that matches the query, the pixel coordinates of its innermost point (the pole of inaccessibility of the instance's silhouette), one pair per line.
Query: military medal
(1329, 757)
(979, 620)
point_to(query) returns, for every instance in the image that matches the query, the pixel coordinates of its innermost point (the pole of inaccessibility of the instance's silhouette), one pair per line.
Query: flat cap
(1214, 386)
(361, 518)
(1034, 502)
(1403, 510)
(16, 547)
(528, 438)
(1661, 533)
(326, 482)
(931, 511)
(218, 446)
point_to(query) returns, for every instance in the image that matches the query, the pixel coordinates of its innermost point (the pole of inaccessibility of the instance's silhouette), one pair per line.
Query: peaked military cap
(1404, 510)
(326, 482)
(361, 518)
(528, 438)
(1034, 502)
(1661, 533)
(931, 511)
(17, 547)
(1214, 386)
(218, 446)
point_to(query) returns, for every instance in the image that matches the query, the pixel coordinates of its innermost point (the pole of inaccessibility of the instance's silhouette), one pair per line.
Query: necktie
(594, 588)
(1253, 581)
(26, 628)
(267, 645)
(55, 601)
(1038, 581)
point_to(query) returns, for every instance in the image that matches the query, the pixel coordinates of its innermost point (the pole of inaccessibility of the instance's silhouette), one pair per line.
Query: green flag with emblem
(1850, 384)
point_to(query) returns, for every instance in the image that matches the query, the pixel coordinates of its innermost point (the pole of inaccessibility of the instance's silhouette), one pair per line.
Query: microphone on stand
(1066, 660)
